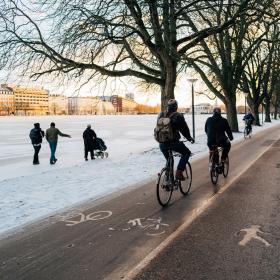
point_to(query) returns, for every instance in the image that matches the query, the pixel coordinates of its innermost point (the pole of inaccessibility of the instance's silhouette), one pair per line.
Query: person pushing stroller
(92, 142)
(89, 141)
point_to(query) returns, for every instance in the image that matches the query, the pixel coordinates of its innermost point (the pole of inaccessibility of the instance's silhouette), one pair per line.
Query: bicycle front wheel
(226, 167)
(185, 186)
(164, 187)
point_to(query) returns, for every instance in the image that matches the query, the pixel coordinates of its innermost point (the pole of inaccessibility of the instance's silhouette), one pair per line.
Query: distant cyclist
(249, 119)
(170, 137)
(218, 133)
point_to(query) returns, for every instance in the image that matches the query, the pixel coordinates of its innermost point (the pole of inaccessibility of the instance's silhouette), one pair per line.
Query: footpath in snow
(31, 192)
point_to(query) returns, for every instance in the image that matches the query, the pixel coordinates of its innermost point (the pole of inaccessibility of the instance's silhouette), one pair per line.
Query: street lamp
(246, 94)
(192, 81)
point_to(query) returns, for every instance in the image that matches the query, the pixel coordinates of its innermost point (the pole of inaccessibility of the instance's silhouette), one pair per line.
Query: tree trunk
(232, 114)
(275, 112)
(167, 90)
(267, 109)
(255, 111)
(276, 107)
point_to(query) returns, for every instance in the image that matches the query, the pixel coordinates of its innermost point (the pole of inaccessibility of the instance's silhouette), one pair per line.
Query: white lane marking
(152, 227)
(252, 233)
(94, 216)
(195, 214)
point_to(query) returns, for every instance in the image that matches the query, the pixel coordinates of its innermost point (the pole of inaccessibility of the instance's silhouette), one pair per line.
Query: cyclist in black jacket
(179, 125)
(215, 128)
(249, 119)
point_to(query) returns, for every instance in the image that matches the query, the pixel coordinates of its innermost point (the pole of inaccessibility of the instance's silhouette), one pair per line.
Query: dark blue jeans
(180, 148)
(53, 145)
(37, 148)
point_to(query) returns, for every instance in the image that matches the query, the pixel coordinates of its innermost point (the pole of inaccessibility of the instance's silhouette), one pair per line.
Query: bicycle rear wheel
(250, 133)
(214, 172)
(245, 132)
(226, 167)
(185, 186)
(164, 187)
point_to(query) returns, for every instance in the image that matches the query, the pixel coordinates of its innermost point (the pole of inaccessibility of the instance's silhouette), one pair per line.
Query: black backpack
(35, 136)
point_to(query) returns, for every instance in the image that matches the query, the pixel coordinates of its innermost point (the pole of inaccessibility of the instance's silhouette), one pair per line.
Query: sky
(115, 86)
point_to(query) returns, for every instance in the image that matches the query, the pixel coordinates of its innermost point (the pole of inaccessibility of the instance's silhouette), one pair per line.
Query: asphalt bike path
(237, 237)
(109, 238)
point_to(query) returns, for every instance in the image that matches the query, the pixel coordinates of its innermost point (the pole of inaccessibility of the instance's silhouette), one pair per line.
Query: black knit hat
(172, 105)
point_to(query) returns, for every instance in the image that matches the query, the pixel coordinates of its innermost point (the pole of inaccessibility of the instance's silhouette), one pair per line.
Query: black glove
(191, 140)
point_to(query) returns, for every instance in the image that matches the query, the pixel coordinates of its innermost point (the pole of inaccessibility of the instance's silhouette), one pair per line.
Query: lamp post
(192, 81)
(245, 95)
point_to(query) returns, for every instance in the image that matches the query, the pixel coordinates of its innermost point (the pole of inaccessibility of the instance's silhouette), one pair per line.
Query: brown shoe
(179, 175)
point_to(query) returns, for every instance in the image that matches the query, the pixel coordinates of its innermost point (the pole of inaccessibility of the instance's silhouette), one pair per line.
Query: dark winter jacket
(36, 136)
(249, 117)
(89, 136)
(52, 134)
(215, 128)
(179, 125)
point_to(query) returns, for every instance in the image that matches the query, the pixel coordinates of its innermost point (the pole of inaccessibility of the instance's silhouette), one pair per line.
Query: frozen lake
(29, 192)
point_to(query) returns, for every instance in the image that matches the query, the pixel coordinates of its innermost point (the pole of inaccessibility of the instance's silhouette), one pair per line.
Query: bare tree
(146, 39)
(221, 59)
(260, 74)
(276, 99)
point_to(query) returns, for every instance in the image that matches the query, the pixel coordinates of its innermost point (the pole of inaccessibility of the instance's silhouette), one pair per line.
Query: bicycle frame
(216, 151)
(216, 166)
(248, 127)
(170, 165)
(167, 183)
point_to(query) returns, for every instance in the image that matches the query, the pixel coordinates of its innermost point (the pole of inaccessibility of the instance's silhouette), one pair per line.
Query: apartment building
(31, 101)
(7, 104)
(124, 105)
(58, 104)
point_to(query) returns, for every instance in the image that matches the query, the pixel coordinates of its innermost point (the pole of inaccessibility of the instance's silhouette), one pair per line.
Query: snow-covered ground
(29, 192)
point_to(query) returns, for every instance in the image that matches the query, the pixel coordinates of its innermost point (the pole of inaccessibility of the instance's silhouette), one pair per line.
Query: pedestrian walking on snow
(89, 141)
(36, 136)
(52, 137)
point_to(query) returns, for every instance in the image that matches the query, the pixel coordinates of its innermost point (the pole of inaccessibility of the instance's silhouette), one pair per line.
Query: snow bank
(29, 192)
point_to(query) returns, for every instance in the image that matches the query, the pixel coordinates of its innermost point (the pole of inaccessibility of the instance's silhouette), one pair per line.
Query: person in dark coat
(36, 136)
(89, 140)
(179, 125)
(215, 128)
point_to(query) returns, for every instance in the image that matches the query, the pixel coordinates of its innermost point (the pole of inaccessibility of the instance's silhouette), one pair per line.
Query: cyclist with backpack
(167, 132)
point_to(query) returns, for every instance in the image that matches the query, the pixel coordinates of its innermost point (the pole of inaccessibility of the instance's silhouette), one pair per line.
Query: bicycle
(216, 167)
(166, 183)
(247, 129)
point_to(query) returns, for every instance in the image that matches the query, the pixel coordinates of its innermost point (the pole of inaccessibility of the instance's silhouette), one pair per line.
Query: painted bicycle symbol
(94, 216)
(152, 227)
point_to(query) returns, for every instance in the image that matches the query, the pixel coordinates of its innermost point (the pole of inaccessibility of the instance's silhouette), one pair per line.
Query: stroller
(100, 146)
